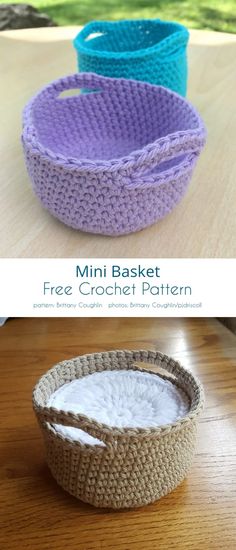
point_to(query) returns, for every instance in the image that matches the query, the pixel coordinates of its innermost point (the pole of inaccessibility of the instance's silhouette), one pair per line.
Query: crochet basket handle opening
(90, 82)
(159, 371)
(82, 422)
(183, 146)
(146, 178)
(93, 30)
(164, 365)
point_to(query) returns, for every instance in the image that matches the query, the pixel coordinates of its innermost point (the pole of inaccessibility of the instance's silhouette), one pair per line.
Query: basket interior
(120, 398)
(130, 37)
(105, 125)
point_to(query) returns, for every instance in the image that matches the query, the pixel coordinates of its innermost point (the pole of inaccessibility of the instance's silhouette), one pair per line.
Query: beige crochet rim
(137, 465)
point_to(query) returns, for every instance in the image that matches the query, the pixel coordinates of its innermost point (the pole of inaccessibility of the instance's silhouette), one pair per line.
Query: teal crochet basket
(151, 50)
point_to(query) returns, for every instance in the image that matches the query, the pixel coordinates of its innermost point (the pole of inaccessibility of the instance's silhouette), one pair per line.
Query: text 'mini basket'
(137, 460)
(114, 160)
(151, 50)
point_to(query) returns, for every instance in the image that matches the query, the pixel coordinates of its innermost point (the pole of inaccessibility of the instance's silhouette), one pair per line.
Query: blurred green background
(217, 15)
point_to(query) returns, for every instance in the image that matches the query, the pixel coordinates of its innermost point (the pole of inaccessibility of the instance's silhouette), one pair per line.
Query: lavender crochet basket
(114, 160)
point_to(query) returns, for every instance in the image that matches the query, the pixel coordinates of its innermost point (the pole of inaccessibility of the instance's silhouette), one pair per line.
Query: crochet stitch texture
(112, 161)
(135, 466)
(145, 49)
(120, 398)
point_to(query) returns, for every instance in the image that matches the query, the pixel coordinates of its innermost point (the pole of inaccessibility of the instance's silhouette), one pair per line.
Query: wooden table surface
(38, 515)
(202, 225)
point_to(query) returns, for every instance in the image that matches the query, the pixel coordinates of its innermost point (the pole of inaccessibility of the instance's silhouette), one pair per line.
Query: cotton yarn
(135, 465)
(150, 50)
(121, 399)
(112, 161)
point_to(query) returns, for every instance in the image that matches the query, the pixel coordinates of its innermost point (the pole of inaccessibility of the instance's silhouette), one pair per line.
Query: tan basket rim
(184, 379)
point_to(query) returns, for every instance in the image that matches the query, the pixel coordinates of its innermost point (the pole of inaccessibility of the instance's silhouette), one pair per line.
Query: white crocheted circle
(120, 399)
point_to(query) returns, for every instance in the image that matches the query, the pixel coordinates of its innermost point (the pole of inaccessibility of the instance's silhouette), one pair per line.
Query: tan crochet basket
(137, 465)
